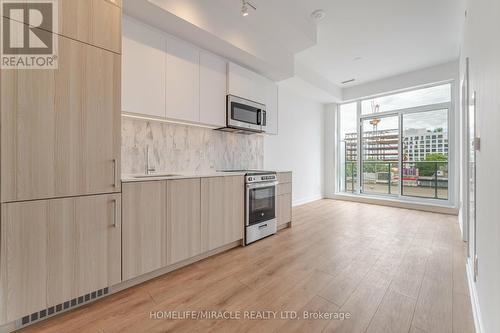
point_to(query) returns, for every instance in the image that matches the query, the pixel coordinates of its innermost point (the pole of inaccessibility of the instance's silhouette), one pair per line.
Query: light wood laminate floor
(393, 270)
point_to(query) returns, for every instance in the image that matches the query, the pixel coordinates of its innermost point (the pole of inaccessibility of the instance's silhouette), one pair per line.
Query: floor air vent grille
(59, 308)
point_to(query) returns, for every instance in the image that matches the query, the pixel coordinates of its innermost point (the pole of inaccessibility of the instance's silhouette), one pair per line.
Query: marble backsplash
(183, 148)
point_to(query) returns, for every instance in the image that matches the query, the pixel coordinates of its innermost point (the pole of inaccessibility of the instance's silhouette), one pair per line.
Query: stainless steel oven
(260, 206)
(245, 115)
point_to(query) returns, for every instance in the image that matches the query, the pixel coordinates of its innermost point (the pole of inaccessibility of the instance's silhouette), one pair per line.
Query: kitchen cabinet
(183, 219)
(182, 80)
(222, 211)
(284, 209)
(247, 84)
(144, 227)
(58, 249)
(143, 69)
(61, 128)
(213, 87)
(96, 22)
(284, 199)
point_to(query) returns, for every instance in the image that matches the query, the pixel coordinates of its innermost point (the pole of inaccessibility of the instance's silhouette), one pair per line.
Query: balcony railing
(425, 179)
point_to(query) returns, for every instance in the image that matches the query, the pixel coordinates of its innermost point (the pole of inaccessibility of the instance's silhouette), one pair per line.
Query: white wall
(299, 144)
(482, 46)
(434, 74)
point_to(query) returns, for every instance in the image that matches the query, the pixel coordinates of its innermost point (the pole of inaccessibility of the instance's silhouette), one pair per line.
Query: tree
(429, 169)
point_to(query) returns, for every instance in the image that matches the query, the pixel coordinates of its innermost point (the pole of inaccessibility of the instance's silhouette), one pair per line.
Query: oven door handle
(260, 185)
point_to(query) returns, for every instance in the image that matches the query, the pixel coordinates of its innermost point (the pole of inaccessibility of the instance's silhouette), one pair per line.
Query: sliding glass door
(425, 154)
(397, 145)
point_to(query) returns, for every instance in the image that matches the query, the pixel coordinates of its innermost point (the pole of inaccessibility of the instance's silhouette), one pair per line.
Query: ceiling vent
(348, 81)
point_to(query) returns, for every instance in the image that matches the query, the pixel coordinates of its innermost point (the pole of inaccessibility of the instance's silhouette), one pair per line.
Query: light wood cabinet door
(143, 68)
(182, 80)
(144, 227)
(55, 250)
(222, 211)
(183, 219)
(96, 22)
(213, 82)
(61, 129)
(284, 203)
(23, 258)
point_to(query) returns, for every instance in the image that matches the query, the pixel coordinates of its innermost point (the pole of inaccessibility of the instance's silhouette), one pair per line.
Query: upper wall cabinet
(250, 85)
(213, 88)
(165, 77)
(143, 69)
(60, 129)
(182, 81)
(246, 84)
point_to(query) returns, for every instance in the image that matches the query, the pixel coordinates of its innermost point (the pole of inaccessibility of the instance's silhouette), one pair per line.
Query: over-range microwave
(244, 116)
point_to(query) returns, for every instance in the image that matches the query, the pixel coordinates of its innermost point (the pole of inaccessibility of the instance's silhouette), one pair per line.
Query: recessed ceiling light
(318, 15)
(244, 7)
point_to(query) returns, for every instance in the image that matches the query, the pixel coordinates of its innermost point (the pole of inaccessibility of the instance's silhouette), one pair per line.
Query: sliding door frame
(449, 106)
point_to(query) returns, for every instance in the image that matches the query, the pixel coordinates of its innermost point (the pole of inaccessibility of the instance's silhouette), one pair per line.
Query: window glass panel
(425, 164)
(407, 99)
(380, 146)
(348, 147)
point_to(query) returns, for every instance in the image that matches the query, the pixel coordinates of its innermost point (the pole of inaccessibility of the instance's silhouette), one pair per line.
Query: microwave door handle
(263, 116)
(259, 117)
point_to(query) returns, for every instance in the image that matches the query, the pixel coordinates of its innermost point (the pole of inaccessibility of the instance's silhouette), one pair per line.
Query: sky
(429, 120)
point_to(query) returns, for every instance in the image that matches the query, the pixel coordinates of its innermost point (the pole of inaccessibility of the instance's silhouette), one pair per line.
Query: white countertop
(126, 178)
(176, 175)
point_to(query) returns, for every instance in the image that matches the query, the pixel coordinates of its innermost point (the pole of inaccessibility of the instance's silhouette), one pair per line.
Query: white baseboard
(303, 201)
(476, 312)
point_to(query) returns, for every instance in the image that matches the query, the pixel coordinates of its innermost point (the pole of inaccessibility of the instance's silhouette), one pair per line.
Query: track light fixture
(244, 7)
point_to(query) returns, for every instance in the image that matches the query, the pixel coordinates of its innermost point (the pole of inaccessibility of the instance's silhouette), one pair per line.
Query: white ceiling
(281, 41)
(390, 36)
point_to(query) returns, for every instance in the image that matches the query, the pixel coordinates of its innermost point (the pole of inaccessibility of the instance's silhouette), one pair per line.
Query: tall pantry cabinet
(60, 192)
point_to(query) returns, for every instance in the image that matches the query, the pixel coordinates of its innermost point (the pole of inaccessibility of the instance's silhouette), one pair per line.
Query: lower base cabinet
(284, 198)
(55, 250)
(183, 219)
(222, 211)
(144, 227)
(284, 208)
(168, 221)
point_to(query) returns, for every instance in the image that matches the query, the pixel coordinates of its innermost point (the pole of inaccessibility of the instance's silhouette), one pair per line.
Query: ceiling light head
(244, 10)
(318, 15)
(245, 6)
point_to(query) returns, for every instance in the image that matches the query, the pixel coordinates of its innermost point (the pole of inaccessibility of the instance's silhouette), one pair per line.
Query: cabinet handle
(115, 212)
(115, 171)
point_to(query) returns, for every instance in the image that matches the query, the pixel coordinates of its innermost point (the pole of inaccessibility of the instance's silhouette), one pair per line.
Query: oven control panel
(261, 178)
